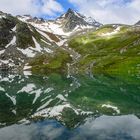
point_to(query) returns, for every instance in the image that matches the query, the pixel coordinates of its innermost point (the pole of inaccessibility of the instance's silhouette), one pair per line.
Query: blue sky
(65, 4)
(104, 11)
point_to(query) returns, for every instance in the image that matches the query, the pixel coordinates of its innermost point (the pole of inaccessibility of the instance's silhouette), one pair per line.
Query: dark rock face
(11, 27)
(6, 24)
(36, 20)
(24, 36)
(20, 42)
(73, 19)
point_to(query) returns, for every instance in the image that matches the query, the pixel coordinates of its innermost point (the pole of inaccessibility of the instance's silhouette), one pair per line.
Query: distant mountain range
(24, 37)
(29, 43)
(66, 24)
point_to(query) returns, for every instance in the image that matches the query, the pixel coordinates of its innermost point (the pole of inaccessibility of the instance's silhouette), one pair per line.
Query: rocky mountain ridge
(65, 25)
(22, 38)
(38, 45)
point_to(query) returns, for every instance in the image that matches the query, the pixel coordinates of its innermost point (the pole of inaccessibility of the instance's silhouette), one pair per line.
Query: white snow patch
(12, 98)
(28, 52)
(57, 29)
(86, 112)
(11, 64)
(66, 95)
(78, 15)
(37, 94)
(61, 43)
(11, 76)
(2, 16)
(46, 42)
(30, 28)
(37, 45)
(2, 51)
(27, 73)
(27, 67)
(52, 111)
(24, 18)
(44, 26)
(48, 50)
(14, 111)
(2, 89)
(14, 29)
(48, 90)
(5, 79)
(47, 97)
(45, 105)
(61, 97)
(45, 35)
(24, 121)
(31, 52)
(90, 20)
(4, 61)
(28, 88)
(12, 42)
(112, 107)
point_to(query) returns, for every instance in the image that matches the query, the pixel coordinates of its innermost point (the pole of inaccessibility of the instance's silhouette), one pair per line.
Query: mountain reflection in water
(79, 107)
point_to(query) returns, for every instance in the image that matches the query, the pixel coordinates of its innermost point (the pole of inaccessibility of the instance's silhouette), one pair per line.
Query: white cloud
(33, 7)
(16, 6)
(50, 7)
(104, 11)
(110, 11)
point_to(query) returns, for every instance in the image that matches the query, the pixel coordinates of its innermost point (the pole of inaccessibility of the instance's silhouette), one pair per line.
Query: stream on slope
(76, 108)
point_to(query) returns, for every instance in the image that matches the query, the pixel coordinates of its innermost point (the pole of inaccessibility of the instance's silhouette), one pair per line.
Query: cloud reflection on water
(103, 128)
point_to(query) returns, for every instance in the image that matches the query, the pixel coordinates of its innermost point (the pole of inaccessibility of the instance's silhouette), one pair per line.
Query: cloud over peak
(110, 11)
(33, 7)
(104, 11)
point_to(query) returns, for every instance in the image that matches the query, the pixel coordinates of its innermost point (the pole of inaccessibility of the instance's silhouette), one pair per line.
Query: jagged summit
(67, 24)
(71, 12)
(73, 20)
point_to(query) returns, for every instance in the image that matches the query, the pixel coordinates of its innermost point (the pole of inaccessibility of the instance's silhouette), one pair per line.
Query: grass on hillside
(47, 63)
(118, 53)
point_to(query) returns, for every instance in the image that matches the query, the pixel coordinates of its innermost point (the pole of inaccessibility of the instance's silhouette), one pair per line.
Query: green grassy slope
(48, 63)
(117, 53)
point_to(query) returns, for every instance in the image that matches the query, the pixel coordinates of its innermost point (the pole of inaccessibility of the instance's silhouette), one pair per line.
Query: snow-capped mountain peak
(73, 13)
(65, 25)
(74, 21)
(92, 21)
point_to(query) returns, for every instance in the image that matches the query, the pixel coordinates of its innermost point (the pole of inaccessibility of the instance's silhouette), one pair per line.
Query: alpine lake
(76, 107)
